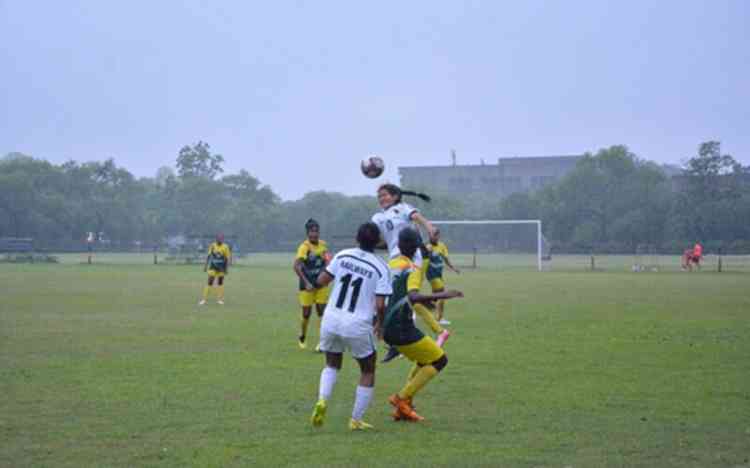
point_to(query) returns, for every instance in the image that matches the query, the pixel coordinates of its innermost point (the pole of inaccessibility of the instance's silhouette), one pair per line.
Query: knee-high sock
(412, 372)
(362, 399)
(440, 309)
(423, 375)
(206, 290)
(327, 381)
(220, 292)
(428, 318)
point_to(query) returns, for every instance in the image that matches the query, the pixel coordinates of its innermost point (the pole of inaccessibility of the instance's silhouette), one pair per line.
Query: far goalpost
(521, 239)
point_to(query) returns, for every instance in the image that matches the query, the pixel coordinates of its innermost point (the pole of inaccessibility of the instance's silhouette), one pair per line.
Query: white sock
(327, 381)
(362, 401)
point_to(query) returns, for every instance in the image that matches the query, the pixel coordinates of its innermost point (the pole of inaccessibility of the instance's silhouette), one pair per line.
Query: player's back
(359, 276)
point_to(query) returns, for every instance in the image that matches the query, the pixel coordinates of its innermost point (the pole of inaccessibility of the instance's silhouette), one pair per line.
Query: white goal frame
(538, 223)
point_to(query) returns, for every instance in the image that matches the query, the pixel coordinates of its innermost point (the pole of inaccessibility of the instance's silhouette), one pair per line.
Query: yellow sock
(305, 322)
(428, 318)
(423, 375)
(440, 309)
(221, 292)
(412, 372)
(206, 290)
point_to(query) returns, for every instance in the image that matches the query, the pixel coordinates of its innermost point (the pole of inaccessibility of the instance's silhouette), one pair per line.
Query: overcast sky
(298, 93)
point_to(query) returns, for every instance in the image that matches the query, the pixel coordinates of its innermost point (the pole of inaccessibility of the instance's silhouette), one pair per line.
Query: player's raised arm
(419, 218)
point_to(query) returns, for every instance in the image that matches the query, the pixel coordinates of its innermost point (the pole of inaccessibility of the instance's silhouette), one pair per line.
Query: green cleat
(360, 425)
(319, 413)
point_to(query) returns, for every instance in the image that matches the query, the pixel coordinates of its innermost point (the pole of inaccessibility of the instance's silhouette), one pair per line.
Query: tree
(198, 161)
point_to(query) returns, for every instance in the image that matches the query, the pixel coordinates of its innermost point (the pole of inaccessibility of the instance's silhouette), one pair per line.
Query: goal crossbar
(538, 223)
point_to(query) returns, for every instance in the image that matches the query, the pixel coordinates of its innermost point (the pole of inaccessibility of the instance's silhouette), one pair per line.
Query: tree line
(613, 201)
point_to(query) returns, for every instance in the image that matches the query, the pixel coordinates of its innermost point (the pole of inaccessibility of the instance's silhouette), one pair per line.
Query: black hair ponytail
(397, 192)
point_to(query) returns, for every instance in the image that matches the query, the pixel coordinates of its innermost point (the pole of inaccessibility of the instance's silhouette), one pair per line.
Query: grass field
(114, 365)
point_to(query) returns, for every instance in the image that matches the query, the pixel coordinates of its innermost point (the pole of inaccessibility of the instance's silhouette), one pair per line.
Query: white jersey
(359, 277)
(391, 222)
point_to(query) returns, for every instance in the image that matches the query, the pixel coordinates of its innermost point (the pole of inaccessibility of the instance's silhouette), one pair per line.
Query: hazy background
(298, 92)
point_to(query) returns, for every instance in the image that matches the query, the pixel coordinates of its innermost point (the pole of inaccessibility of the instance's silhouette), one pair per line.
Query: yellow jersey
(219, 256)
(436, 259)
(398, 326)
(314, 258)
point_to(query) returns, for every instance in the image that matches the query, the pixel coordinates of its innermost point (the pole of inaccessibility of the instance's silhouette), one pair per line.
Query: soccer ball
(372, 167)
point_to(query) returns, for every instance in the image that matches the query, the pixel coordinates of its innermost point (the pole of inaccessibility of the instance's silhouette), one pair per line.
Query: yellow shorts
(424, 351)
(437, 284)
(215, 274)
(316, 296)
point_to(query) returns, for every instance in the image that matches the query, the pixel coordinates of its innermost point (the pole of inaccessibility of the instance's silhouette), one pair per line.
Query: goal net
(496, 244)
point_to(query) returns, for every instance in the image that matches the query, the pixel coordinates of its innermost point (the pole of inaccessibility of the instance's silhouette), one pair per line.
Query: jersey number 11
(356, 285)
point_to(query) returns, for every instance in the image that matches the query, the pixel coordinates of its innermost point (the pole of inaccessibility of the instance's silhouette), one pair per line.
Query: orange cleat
(404, 408)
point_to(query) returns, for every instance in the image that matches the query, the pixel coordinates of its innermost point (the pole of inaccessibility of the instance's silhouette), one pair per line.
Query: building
(509, 175)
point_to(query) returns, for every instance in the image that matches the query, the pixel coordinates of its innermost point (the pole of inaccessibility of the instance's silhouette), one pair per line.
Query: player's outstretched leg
(327, 381)
(425, 350)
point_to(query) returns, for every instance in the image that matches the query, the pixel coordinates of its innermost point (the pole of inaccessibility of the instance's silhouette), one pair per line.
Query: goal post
(476, 224)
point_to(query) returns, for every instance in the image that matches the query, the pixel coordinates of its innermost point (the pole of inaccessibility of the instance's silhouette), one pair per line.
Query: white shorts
(361, 345)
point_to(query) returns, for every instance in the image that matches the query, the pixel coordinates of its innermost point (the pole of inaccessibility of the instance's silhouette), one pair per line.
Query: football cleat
(317, 348)
(202, 302)
(319, 413)
(392, 354)
(220, 302)
(406, 412)
(301, 343)
(360, 425)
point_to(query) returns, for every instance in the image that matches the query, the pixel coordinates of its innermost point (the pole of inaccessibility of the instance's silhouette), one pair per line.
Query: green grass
(115, 365)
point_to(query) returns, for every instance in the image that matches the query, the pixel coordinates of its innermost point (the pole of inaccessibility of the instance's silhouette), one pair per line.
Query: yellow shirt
(313, 258)
(219, 256)
(436, 260)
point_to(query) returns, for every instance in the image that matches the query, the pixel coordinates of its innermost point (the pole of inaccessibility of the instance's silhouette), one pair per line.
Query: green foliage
(613, 200)
(198, 161)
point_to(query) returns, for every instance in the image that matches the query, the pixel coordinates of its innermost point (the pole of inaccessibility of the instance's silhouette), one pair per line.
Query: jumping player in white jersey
(361, 285)
(394, 217)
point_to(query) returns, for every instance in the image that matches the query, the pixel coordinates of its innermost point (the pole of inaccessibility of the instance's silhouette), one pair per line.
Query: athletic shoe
(443, 337)
(220, 302)
(202, 302)
(360, 425)
(301, 343)
(392, 354)
(396, 415)
(404, 408)
(319, 413)
(444, 322)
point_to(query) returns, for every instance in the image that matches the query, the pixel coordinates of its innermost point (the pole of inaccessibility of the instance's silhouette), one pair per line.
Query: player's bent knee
(440, 363)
